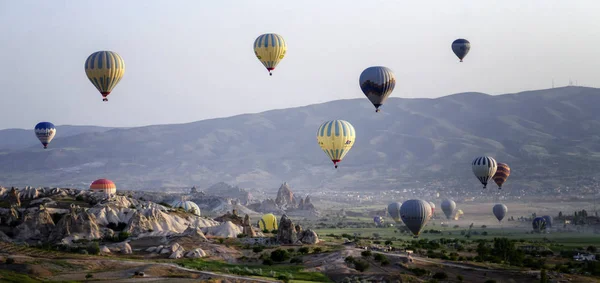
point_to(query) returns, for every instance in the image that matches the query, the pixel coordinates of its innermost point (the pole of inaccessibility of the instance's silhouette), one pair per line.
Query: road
(451, 264)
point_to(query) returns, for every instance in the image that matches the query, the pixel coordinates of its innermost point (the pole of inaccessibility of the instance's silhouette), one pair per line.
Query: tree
(366, 253)
(361, 265)
(560, 215)
(591, 249)
(388, 243)
(543, 276)
(460, 278)
(279, 255)
(303, 250)
(440, 275)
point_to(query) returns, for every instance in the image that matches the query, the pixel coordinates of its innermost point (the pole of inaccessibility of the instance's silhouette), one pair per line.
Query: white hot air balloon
(484, 168)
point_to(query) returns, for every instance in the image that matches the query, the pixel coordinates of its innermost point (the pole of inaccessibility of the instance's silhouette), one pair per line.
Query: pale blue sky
(192, 60)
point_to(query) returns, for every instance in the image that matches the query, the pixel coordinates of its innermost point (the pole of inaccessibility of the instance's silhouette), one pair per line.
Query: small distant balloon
(45, 132)
(499, 211)
(270, 48)
(394, 211)
(448, 207)
(461, 48)
(377, 83)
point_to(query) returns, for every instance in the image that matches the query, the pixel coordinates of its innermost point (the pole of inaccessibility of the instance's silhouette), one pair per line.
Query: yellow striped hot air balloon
(104, 69)
(336, 138)
(270, 48)
(268, 222)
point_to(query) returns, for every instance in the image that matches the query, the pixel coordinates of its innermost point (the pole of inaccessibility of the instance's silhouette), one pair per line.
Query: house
(584, 257)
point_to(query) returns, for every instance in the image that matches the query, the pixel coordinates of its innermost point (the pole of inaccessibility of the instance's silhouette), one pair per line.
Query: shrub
(10, 260)
(317, 250)
(93, 248)
(361, 265)
(88, 276)
(266, 231)
(267, 261)
(303, 250)
(388, 243)
(385, 262)
(349, 259)
(440, 275)
(419, 271)
(241, 235)
(460, 278)
(274, 231)
(258, 249)
(366, 253)
(221, 240)
(296, 260)
(279, 255)
(379, 257)
(79, 198)
(165, 204)
(123, 236)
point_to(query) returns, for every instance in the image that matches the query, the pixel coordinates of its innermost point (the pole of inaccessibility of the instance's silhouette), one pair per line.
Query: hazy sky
(192, 60)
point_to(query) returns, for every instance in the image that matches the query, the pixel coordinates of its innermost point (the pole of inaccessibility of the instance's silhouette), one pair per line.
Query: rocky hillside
(549, 137)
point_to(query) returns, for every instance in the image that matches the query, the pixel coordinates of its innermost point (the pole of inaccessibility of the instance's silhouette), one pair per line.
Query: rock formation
(285, 197)
(228, 216)
(13, 197)
(36, 225)
(308, 236)
(247, 228)
(195, 253)
(194, 233)
(193, 190)
(286, 233)
(78, 224)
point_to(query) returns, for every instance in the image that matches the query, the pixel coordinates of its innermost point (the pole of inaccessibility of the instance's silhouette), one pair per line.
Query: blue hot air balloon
(461, 48)
(45, 132)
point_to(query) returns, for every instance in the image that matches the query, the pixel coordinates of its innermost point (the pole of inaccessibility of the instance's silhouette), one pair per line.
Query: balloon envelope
(336, 138)
(377, 83)
(549, 220)
(448, 207)
(499, 211)
(45, 132)
(484, 168)
(394, 211)
(539, 224)
(502, 173)
(378, 220)
(104, 69)
(461, 48)
(270, 48)
(415, 213)
(268, 222)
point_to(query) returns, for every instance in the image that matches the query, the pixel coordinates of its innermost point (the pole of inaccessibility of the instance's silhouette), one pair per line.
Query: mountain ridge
(411, 140)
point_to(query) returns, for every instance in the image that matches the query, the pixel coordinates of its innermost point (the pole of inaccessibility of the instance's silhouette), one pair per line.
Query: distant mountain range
(548, 137)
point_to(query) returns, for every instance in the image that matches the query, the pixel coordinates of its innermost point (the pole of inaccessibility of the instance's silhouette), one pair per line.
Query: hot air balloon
(378, 220)
(268, 222)
(270, 48)
(45, 132)
(461, 47)
(377, 83)
(432, 207)
(448, 207)
(187, 205)
(394, 211)
(484, 168)
(539, 224)
(458, 214)
(549, 220)
(502, 174)
(499, 211)
(103, 186)
(105, 69)
(415, 213)
(336, 138)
